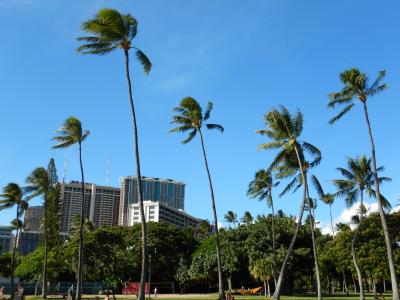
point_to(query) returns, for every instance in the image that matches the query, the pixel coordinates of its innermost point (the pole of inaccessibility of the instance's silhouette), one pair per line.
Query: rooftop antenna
(108, 172)
(65, 164)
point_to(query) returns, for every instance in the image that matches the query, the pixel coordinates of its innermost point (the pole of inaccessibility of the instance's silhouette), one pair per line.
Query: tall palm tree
(284, 130)
(110, 30)
(14, 196)
(358, 178)
(289, 168)
(327, 198)
(39, 184)
(71, 133)
(261, 188)
(357, 87)
(190, 117)
(247, 218)
(231, 217)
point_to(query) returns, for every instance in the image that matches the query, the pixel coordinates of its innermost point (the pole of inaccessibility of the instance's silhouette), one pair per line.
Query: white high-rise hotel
(163, 201)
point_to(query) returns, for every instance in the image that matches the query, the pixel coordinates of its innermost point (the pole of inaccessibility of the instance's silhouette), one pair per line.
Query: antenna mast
(108, 172)
(65, 164)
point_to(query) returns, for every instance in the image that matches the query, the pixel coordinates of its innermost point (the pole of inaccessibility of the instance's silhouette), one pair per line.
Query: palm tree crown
(358, 178)
(111, 30)
(261, 186)
(231, 217)
(284, 130)
(13, 195)
(356, 86)
(38, 181)
(190, 118)
(70, 133)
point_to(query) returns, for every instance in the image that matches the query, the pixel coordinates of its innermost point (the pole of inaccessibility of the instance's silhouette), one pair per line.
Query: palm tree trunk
(273, 243)
(392, 268)
(315, 250)
(330, 213)
(80, 259)
(46, 241)
(278, 286)
(141, 295)
(306, 194)
(13, 258)
(353, 252)
(220, 281)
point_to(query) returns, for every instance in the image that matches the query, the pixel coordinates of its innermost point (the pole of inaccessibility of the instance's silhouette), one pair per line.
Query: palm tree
(284, 130)
(356, 87)
(358, 177)
(261, 188)
(247, 218)
(14, 196)
(71, 133)
(327, 198)
(39, 184)
(190, 118)
(231, 217)
(261, 269)
(110, 30)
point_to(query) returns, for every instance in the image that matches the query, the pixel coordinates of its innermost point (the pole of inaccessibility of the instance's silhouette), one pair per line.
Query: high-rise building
(160, 212)
(101, 205)
(28, 241)
(167, 191)
(33, 218)
(6, 238)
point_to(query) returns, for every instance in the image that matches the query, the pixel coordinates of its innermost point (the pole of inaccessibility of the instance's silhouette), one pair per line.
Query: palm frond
(215, 126)
(144, 61)
(341, 114)
(192, 134)
(317, 186)
(209, 108)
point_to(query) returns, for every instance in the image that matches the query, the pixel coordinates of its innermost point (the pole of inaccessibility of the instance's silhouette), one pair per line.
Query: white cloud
(348, 213)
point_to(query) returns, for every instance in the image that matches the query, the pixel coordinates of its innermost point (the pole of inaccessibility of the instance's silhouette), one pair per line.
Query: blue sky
(245, 56)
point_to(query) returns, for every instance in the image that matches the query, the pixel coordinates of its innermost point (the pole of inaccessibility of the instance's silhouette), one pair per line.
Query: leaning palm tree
(231, 218)
(358, 178)
(261, 188)
(190, 117)
(14, 196)
(288, 168)
(71, 133)
(327, 198)
(356, 87)
(39, 184)
(284, 130)
(110, 30)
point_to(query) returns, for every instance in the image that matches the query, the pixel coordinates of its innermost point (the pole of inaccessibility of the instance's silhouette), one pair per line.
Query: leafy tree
(182, 274)
(190, 118)
(247, 218)
(284, 130)
(14, 196)
(39, 184)
(261, 269)
(58, 266)
(110, 30)
(357, 179)
(231, 217)
(71, 133)
(357, 87)
(261, 188)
